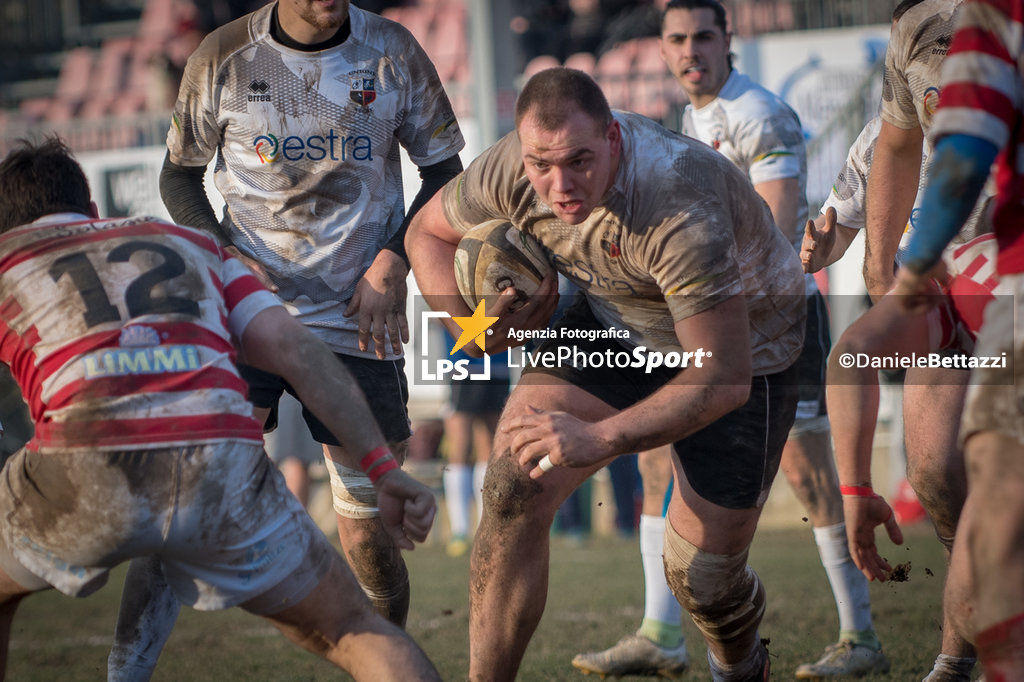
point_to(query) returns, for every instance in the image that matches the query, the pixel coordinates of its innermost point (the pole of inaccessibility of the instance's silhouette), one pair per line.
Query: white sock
(458, 483)
(479, 471)
(659, 602)
(849, 586)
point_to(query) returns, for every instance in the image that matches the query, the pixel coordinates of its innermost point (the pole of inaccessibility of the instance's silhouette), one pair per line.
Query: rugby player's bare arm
(783, 199)
(276, 342)
(431, 243)
(695, 398)
(892, 188)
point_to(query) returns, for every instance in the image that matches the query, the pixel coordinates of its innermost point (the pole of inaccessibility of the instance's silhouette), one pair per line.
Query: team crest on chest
(610, 244)
(363, 87)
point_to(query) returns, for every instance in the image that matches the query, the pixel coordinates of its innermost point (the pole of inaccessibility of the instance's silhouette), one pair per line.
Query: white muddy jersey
(757, 131)
(918, 44)
(307, 151)
(849, 191)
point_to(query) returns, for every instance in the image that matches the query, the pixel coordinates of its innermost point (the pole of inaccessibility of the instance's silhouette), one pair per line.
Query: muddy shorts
(730, 462)
(218, 516)
(996, 393)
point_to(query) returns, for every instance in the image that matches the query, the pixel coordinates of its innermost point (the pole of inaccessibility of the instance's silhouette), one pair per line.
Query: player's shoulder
(648, 145)
(926, 21)
(225, 41)
(386, 34)
(657, 160)
(750, 101)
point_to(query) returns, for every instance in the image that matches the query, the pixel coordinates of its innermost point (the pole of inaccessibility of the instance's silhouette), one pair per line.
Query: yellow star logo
(473, 328)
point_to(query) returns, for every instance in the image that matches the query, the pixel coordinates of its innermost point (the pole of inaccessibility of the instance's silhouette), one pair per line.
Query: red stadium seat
(647, 97)
(538, 64)
(583, 61)
(614, 72)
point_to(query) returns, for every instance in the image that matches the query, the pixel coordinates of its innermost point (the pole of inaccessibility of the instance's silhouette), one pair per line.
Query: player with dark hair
(122, 337)
(305, 106)
(698, 270)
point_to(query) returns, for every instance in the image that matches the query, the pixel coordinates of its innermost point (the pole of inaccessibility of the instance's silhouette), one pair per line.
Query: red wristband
(857, 491)
(378, 462)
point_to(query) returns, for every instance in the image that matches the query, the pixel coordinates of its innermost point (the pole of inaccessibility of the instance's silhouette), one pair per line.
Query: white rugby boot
(844, 659)
(635, 655)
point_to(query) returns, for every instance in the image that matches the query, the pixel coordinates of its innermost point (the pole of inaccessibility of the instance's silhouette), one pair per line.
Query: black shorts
(730, 462)
(383, 383)
(478, 397)
(813, 360)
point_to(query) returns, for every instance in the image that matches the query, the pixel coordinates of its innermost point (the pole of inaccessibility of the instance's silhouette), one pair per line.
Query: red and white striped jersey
(983, 96)
(120, 332)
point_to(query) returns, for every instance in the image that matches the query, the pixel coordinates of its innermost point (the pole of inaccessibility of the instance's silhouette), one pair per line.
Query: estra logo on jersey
(272, 148)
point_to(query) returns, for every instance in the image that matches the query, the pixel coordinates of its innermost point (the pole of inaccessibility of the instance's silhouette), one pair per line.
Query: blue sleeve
(960, 166)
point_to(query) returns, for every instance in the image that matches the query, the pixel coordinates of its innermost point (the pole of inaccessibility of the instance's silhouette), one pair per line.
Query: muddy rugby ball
(494, 256)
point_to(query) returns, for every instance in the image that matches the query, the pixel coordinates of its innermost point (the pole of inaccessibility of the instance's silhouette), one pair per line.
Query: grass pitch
(596, 595)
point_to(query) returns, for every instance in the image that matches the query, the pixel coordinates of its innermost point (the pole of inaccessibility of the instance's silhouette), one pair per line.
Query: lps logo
(474, 330)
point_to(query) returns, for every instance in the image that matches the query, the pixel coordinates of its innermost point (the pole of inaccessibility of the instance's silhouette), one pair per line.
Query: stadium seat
(448, 45)
(614, 72)
(538, 64)
(158, 21)
(35, 109)
(417, 19)
(75, 73)
(584, 61)
(647, 97)
(109, 77)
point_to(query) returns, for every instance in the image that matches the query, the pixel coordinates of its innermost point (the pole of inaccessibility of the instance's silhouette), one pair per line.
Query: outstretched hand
(407, 508)
(818, 241)
(863, 514)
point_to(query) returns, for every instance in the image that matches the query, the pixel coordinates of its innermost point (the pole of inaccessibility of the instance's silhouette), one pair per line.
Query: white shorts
(995, 394)
(218, 516)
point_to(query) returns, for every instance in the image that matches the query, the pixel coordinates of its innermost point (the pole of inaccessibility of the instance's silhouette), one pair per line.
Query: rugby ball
(494, 256)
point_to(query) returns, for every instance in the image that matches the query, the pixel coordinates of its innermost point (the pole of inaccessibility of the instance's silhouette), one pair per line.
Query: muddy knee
(942, 497)
(723, 595)
(508, 492)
